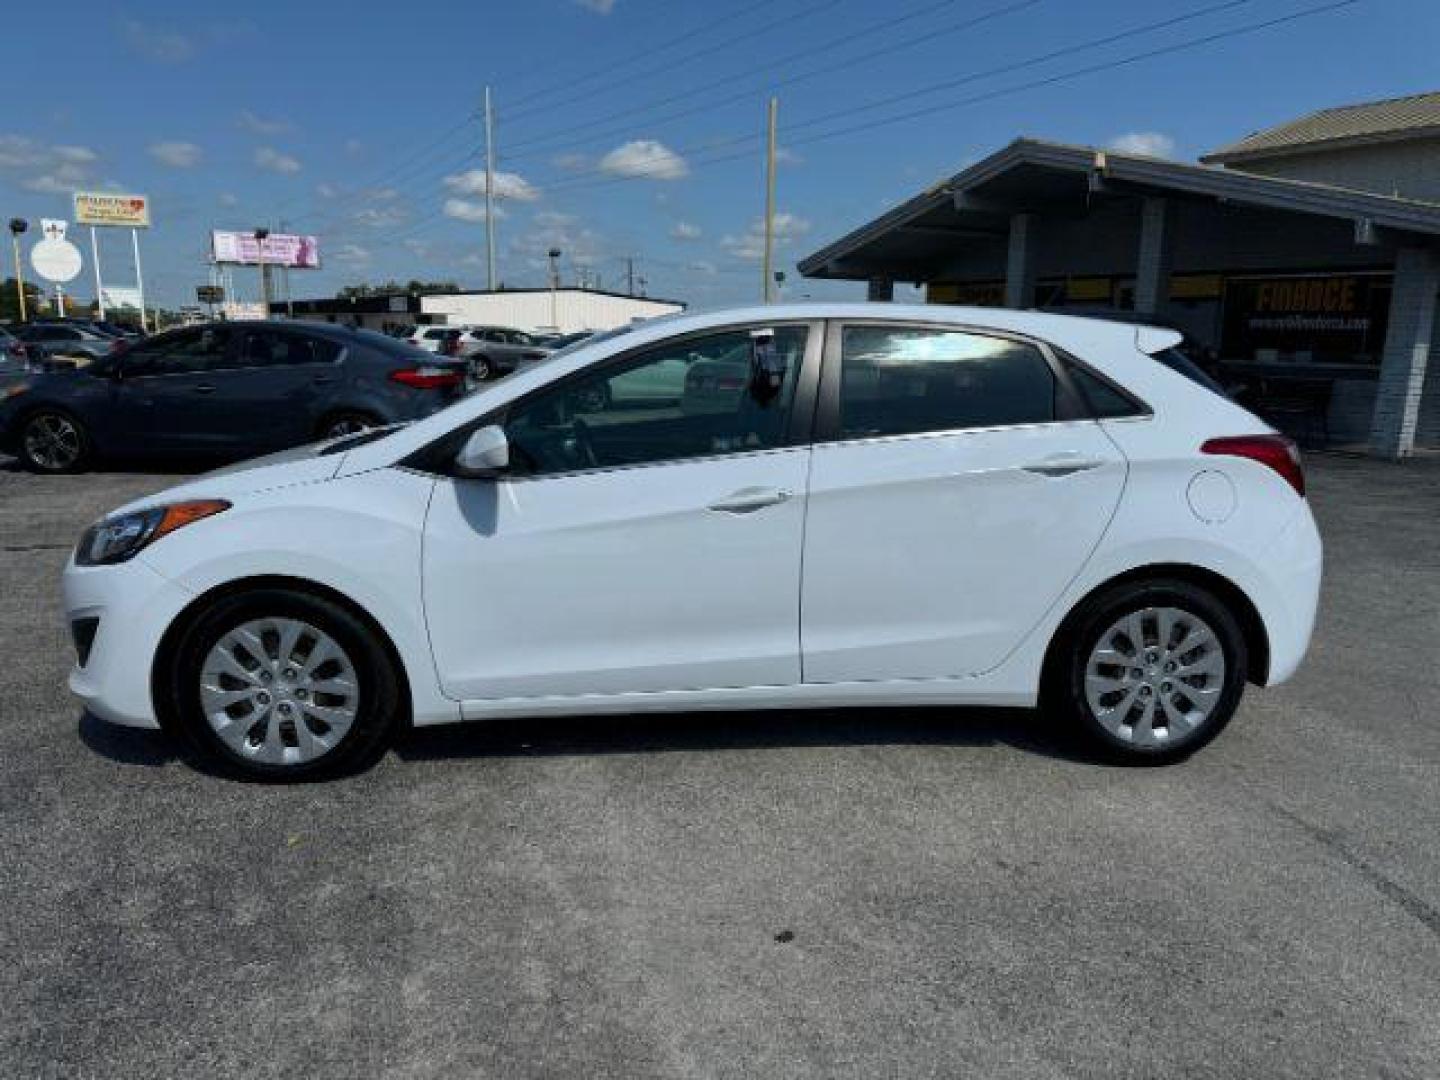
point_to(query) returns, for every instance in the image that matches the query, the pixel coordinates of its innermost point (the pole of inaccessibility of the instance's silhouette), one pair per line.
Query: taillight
(426, 378)
(1273, 451)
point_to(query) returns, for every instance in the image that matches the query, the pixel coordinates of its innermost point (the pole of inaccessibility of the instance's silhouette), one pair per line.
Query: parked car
(496, 350)
(433, 338)
(905, 505)
(224, 389)
(63, 339)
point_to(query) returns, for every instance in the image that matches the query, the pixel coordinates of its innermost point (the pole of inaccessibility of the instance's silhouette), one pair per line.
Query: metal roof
(1417, 116)
(1028, 171)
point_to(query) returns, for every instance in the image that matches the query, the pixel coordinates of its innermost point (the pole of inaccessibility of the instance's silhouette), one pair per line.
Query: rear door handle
(749, 499)
(1058, 465)
(204, 388)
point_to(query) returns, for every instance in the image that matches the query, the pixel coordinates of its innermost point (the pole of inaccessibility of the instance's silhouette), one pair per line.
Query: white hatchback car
(896, 505)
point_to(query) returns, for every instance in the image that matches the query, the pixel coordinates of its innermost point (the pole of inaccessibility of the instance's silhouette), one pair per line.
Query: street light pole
(554, 256)
(260, 235)
(18, 226)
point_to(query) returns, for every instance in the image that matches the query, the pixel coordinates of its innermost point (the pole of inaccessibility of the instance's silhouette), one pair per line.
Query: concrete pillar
(1020, 265)
(880, 289)
(1152, 266)
(1407, 350)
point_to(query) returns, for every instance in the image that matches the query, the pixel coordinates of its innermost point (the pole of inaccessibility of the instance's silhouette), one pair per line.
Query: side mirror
(486, 453)
(767, 367)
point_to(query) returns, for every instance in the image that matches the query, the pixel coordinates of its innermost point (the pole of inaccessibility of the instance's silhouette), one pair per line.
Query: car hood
(302, 465)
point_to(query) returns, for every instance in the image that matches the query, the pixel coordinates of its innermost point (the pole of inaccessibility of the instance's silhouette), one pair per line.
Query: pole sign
(54, 258)
(209, 294)
(102, 208)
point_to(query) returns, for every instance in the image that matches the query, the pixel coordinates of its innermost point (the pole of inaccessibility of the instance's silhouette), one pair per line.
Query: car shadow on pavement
(1022, 729)
(127, 745)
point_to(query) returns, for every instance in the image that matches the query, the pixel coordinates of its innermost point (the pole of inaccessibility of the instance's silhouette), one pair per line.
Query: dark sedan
(227, 390)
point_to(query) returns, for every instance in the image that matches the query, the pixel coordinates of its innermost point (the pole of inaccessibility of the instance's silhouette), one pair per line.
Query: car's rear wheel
(282, 685)
(1149, 670)
(346, 423)
(481, 370)
(52, 441)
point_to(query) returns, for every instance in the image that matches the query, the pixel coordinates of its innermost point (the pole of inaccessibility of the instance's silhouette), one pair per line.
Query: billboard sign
(104, 208)
(281, 249)
(122, 296)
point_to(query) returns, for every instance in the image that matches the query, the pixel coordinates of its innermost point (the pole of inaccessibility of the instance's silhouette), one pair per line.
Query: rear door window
(902, 381)
(277, 348)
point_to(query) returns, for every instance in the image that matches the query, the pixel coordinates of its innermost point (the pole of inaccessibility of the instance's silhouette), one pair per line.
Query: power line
(770, 85)
(686, 58)
(1051, 80)
(975, 76)
(729, 18)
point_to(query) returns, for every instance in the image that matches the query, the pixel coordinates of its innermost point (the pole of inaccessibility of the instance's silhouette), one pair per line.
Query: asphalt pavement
(877, 893)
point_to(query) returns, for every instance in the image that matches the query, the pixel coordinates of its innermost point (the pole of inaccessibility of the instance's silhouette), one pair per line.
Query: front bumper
(134, 604)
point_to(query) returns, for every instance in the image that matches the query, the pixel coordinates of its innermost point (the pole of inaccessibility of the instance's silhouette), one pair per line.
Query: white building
(563, 311)
(533, 310)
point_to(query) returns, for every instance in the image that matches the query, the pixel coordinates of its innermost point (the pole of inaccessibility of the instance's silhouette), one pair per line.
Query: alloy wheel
(279, 691)
(347, 425)
(52, 442)
(1154, 677)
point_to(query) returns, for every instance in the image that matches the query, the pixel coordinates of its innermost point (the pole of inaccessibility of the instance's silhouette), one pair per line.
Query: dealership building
(560, 311)
(1302, 261)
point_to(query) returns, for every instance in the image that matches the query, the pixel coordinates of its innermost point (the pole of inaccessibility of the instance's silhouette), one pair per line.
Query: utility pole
(489, 194)
(630, 274)
(285, 284)
(768, 291)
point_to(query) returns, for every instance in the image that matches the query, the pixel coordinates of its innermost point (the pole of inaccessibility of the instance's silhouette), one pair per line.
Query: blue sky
(359, 121)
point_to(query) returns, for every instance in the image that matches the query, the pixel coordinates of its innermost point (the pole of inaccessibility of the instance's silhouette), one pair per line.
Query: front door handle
(204, 388)
(1063, 465)
(749, 499)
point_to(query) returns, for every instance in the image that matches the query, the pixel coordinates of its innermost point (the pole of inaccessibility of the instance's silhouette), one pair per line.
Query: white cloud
(229, 199)
(53, 169)
(683, 230)
(1144, 143)
(177, 155)
(380, 217)
(155, 43)
(600, 7)
(75, 155)
(326, 191)
(351, 255)
(260, 125)
(507, 185)
(418, 248)
(267, 157)
(751, 244)
(785, 156)
(645, 159)
(468, 210)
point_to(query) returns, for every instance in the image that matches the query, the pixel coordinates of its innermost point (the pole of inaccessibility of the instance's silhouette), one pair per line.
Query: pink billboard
(281, 249)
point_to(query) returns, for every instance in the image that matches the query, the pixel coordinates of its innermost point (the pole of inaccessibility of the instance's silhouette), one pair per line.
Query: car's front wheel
(282, 685)
(346, 423)
(1149, 670)
(52, 441)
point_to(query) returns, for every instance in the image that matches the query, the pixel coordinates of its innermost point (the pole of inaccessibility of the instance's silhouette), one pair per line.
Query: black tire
(31, 444)
(1064, 694)
(379, 685)
(481, 369)
(348, 422)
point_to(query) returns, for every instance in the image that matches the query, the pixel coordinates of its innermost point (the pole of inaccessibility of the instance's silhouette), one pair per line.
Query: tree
(10, 300)
(394, 288)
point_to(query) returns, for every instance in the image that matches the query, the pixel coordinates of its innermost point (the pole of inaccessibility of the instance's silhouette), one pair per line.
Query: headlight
(113, 540)
(14, 391)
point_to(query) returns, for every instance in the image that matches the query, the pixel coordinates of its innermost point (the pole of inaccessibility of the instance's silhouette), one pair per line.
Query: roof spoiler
(1153, 339)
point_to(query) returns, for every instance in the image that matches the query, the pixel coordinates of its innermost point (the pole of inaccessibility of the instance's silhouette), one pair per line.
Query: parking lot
(866, 893)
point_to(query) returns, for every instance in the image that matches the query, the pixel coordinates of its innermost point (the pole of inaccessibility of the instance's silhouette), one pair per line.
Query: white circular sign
(56, 260)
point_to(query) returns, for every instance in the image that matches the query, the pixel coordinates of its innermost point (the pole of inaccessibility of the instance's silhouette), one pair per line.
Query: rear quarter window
(1181, 364)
